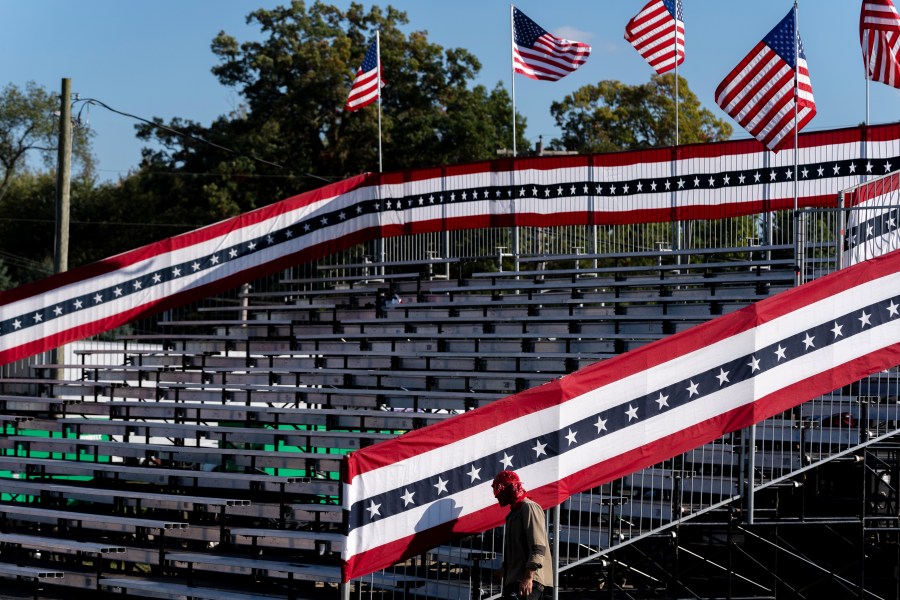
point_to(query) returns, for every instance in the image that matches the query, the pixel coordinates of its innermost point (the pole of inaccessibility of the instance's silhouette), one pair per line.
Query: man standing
(526, 556)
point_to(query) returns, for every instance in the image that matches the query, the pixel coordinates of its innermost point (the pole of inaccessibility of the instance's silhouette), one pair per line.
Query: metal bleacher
(203, 459)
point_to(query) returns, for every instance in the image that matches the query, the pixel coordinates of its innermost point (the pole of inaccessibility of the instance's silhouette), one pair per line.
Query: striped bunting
(715, 181)
(873, 224)
(613, 418)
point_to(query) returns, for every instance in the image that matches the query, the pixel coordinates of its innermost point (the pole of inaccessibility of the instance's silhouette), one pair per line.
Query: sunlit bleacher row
(206, 456)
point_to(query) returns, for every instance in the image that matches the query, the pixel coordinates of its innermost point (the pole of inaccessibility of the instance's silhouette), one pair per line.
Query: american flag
(366, 86)
(657, 33)
(879, 34)
(615, 417)
(714, 181)
(541, 55)
(759, 92)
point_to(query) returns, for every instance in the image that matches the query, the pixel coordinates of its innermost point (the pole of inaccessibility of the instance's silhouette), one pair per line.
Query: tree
(104, 220)
(26, 226)
(614, 116)
(29, 130)
(29, 123)
(294, 83)
(6, 282)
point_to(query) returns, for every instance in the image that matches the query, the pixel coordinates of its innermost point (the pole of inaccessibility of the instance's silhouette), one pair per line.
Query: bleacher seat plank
(104, 522)
(200, 455)
(658, 255)
(301, 437)
(179, 590)
(116, 496)
(125, 413)
(8, 570)
(189, 479)
(290, 538)
(242, 564)
(59, 544)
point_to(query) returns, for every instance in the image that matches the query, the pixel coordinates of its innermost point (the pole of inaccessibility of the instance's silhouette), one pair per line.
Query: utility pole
(63, 185)
(63, 178)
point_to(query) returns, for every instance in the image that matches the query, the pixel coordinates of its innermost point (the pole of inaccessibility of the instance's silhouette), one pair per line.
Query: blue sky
(153, 59)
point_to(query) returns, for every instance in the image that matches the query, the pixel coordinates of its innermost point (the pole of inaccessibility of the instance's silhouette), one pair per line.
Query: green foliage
(294, 82)
(110, 219)
(29, 123)
(104, 221)
(6, 281)
(29, 133)
(27, 216)
(614, 116)
(289, 135)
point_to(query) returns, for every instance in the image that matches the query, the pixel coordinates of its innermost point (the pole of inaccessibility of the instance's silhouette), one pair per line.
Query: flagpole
(678, 233)
(866, 42)
(676, 84)
(677, 103)
(796, 99)
(799, 246)
(512, 62)
(378, 83)
(380, 249)
(865, 145)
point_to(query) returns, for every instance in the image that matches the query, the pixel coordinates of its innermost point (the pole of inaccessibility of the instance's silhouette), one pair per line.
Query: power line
(130, 224)
(27, 263)
(95, 102)
(327, 179)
